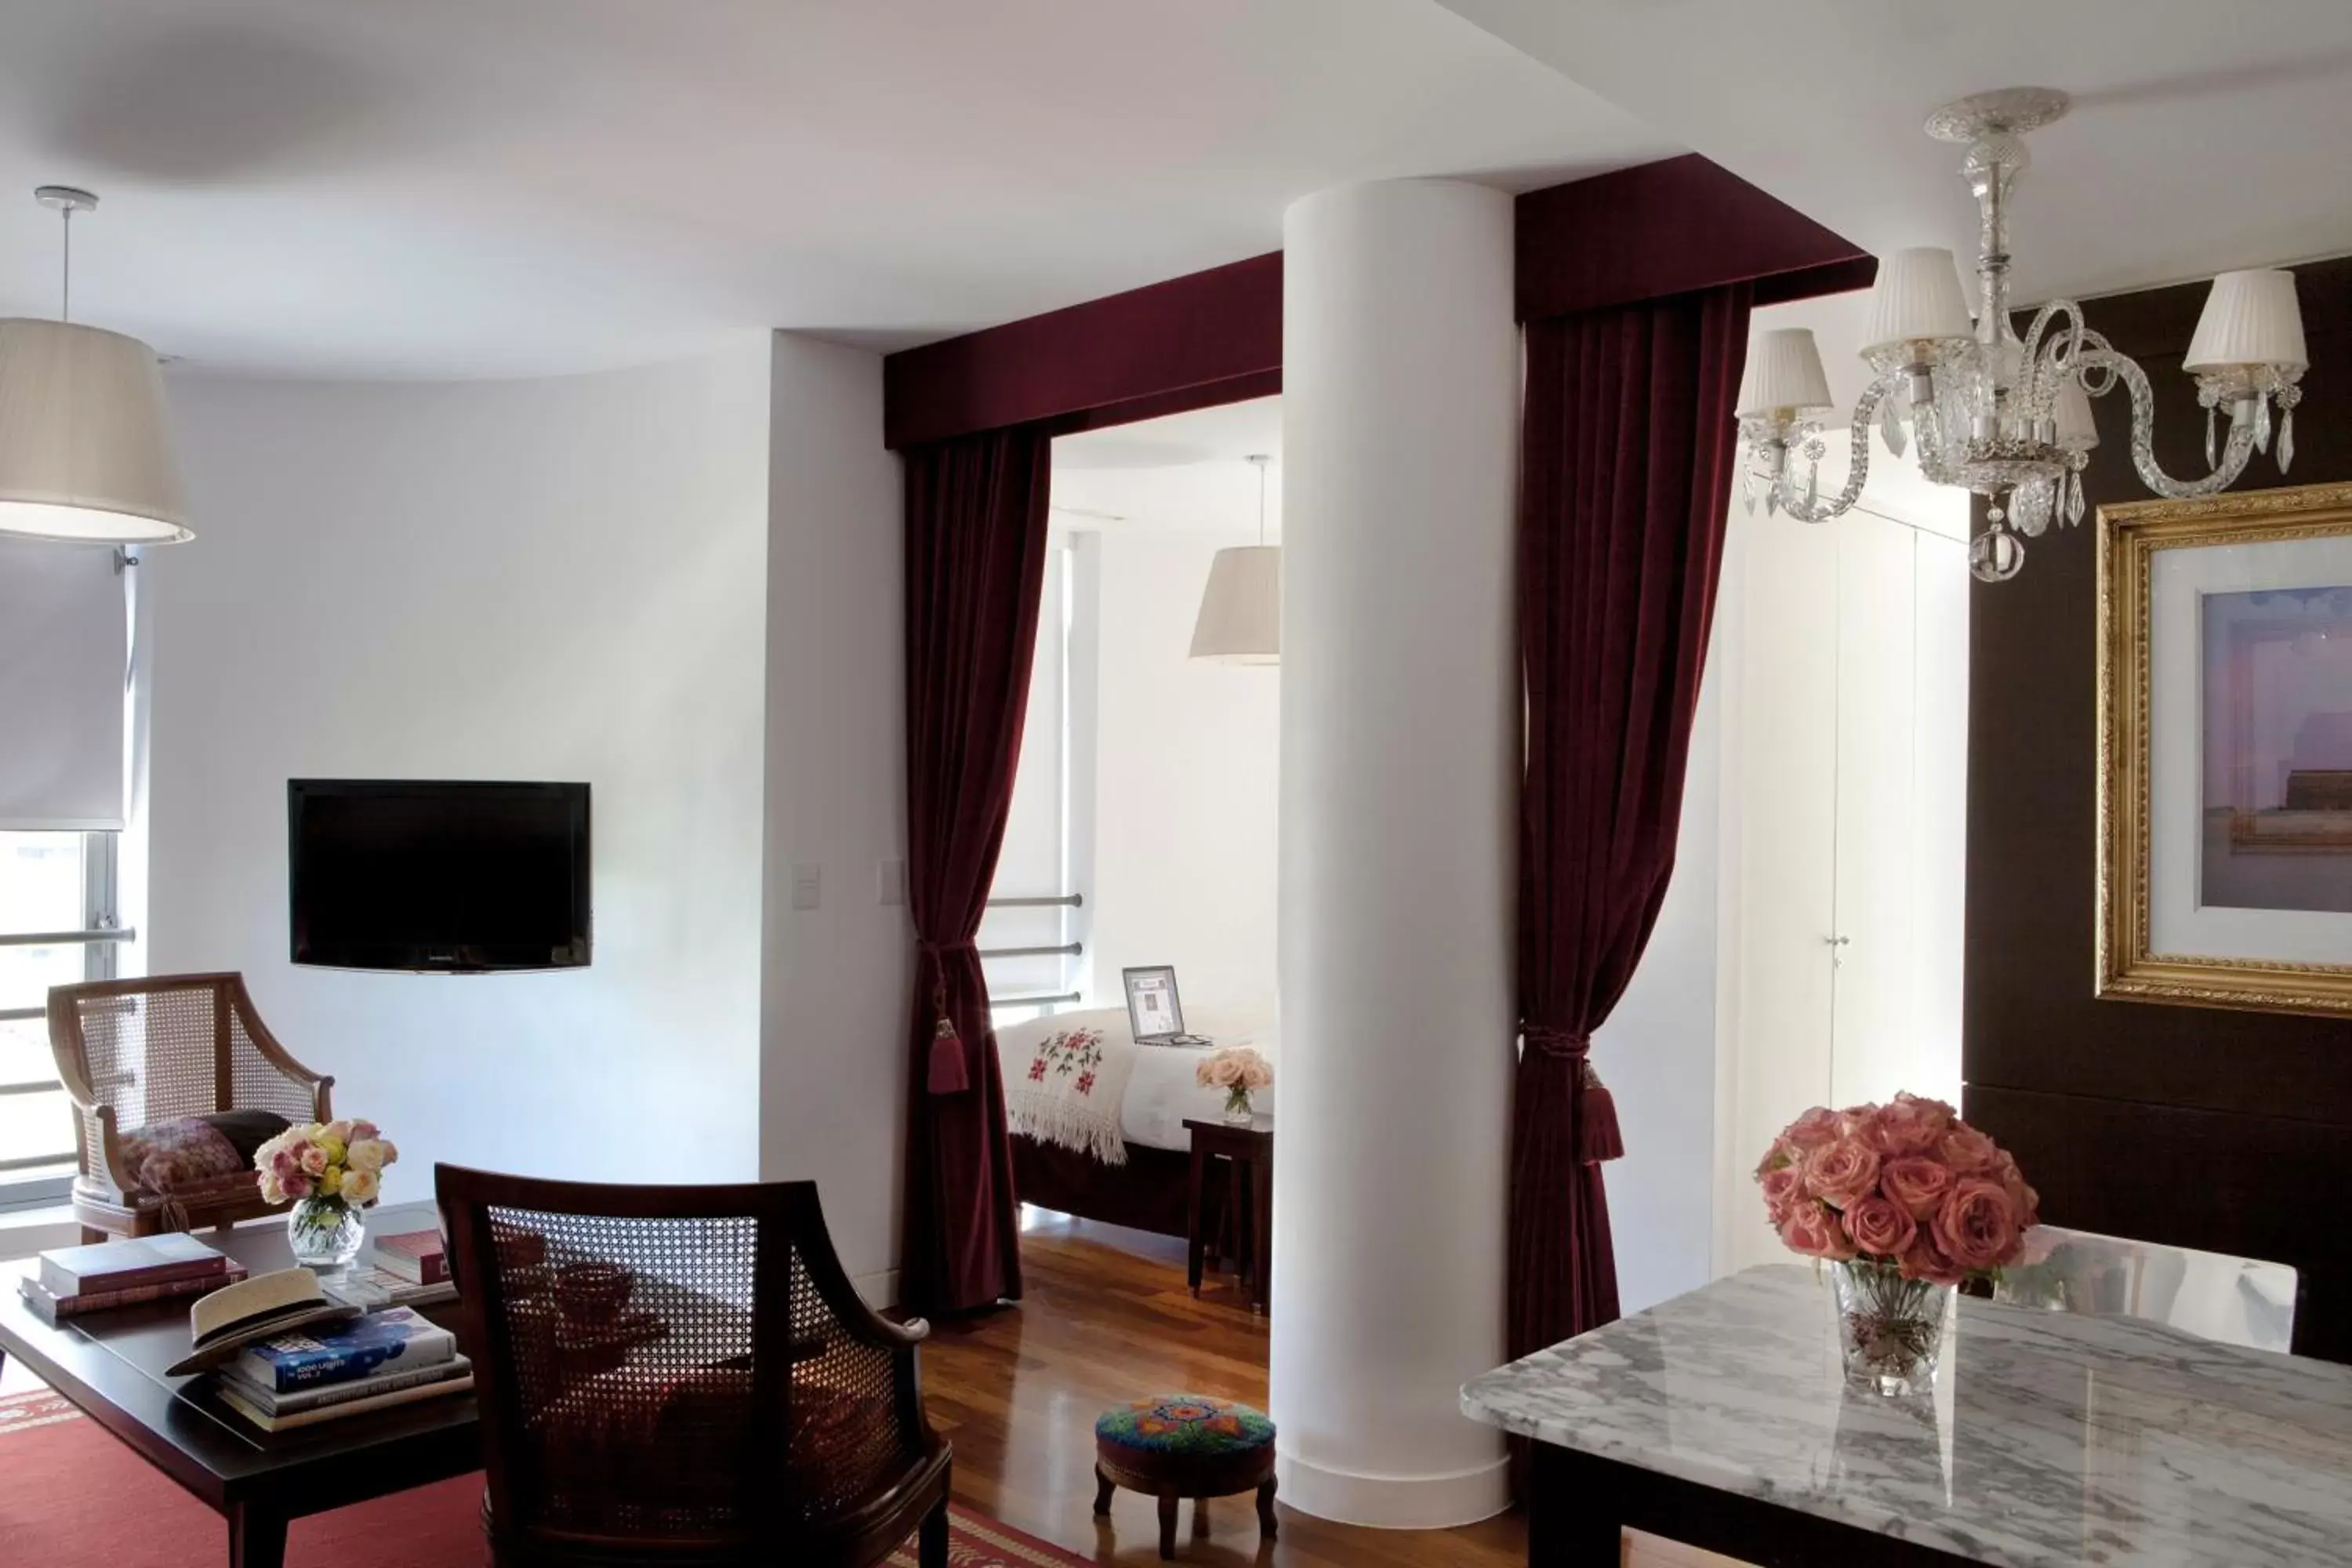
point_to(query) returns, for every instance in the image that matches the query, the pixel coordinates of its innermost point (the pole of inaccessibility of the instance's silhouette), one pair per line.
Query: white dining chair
(2231, 1300)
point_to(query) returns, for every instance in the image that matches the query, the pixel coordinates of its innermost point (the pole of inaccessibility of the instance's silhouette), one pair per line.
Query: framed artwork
(1153, 1011)
(2225, 751)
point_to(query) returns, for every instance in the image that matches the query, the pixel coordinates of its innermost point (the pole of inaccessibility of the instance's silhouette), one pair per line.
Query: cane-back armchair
(684, 1375)
(173, 1080)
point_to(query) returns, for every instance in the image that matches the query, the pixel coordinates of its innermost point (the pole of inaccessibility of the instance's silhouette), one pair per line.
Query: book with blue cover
(397, 1338)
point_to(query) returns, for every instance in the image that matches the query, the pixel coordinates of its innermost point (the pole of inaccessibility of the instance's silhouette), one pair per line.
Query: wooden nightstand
(1249, 1199)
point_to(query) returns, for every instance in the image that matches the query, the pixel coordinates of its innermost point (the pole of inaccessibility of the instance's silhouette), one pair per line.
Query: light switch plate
(808, 886)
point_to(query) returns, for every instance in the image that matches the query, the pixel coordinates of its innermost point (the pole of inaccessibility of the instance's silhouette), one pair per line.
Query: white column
(1399, 740)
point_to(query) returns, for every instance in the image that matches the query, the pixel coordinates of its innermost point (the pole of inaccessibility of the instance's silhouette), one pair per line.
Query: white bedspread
(1160, 1092)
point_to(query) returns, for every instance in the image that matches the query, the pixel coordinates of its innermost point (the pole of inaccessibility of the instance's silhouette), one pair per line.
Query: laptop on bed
(1154, 1015)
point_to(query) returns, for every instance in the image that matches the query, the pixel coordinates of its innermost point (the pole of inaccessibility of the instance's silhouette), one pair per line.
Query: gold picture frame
(2132, 538)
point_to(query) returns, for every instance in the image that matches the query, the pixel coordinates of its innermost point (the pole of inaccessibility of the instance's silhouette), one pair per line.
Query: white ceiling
(2204, 136)
(489, 187)
(1186, 473)
(1228, 432)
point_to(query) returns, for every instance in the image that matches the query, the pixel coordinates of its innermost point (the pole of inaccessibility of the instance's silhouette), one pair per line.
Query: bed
(1115, 1150)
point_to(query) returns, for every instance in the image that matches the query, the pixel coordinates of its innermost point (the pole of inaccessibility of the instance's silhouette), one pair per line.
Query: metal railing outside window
(59, 925)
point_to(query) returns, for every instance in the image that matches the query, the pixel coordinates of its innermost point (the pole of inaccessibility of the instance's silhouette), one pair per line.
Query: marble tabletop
(2050, 1438)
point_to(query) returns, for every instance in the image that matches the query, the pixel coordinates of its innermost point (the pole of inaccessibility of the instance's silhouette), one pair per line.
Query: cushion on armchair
(190, 1152)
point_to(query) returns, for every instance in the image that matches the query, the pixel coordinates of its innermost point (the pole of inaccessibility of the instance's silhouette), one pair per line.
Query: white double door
(1847, 772)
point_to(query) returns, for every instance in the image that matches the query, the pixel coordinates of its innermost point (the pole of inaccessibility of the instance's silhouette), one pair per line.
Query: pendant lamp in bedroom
(86, 452)
(1241, 611)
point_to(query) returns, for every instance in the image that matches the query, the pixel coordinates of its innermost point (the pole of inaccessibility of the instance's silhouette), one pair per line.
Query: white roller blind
(63, 645)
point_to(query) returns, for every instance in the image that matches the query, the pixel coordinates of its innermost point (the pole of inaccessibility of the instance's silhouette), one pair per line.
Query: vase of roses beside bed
(332, 1171)
(1904, 1201)
(1237, 1070)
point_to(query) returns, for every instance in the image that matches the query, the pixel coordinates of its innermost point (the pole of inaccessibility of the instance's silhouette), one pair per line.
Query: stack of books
(410, 1269)
(386, 1358)
(73, 1280)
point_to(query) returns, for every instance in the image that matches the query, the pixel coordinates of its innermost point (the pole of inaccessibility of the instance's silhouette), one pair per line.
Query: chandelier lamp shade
(1241, 610)
(2006, 418)
(86, 449)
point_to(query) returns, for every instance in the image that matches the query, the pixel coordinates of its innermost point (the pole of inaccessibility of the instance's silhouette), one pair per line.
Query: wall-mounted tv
(404, 874)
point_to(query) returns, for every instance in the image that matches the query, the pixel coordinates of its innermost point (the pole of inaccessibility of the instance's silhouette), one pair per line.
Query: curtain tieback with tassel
(1596, 1133)
(945, 1073)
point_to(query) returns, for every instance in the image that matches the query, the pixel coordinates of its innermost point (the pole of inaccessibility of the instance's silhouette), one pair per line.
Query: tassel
(1598, 1136)
(947, 1075)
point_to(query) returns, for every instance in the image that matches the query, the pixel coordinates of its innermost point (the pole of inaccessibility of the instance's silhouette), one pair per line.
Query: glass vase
(1237, 1108)
(1890, 1329)
(324, 1232)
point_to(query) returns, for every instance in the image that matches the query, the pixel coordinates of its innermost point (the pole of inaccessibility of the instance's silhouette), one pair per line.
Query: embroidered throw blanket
(1064, 1087)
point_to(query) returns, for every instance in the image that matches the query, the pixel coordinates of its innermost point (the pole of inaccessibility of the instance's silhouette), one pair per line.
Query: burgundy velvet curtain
(975, 570)
(1628, 467)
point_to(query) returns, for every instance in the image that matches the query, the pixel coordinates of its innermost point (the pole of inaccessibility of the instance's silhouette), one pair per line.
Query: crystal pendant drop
(2211, 416)
(2074, 498)
(2030, 508)
(1812, 486)
(1996, 555)
(1890, 427)
(2286, 440)
(1772, 500)
(1747, 489)
(2262, 423)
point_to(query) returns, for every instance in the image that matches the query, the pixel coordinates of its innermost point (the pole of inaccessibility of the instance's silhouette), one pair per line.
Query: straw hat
(262, 1308)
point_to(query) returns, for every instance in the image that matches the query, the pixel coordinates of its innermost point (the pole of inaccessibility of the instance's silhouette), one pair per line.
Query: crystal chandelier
(2005, 419)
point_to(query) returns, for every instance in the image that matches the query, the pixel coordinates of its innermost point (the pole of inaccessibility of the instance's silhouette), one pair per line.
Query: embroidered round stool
(1185, 1446)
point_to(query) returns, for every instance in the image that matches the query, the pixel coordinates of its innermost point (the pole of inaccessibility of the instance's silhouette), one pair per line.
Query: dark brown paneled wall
(2221, 1129)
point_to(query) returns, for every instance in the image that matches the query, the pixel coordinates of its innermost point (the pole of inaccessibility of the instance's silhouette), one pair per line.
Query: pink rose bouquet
(1906, 1185)
(1237, 1070)
(341, 1159)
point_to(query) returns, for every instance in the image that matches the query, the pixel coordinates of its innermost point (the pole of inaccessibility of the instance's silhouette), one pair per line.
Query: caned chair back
(674, 1370)
(139, 1052)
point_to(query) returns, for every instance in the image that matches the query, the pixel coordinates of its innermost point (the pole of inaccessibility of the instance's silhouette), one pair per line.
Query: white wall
(552, 580)
(1186, 763)
(833, 1005)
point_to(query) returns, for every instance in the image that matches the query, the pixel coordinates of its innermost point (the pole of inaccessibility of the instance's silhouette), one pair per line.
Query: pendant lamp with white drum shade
(86, 452)
(1241, 609)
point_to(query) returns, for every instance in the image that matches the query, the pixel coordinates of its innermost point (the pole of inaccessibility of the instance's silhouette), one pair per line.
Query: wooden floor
(1106, 1318)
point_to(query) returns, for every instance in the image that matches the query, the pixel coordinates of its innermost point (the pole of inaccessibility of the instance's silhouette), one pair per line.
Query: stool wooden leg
(1168, 1525)
(1104, 1486)
(1266, 1522)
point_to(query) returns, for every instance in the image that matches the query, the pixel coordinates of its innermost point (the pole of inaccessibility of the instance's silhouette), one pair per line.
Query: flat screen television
(408, 874)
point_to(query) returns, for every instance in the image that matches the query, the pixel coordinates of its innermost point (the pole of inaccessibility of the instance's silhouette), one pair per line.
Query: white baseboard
(29, 1231)
(880, 1288)
(1394, 1502)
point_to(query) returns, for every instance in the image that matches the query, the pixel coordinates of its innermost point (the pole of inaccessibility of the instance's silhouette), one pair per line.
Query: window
(1033, 942)
(60, 885)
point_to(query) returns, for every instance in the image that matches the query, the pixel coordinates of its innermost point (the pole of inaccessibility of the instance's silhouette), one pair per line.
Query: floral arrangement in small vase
(1237, 1070)
(329, 1171)
(1904, 1201)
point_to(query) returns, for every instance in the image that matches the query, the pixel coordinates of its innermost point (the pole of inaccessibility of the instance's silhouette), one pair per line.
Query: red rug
(73, 1496)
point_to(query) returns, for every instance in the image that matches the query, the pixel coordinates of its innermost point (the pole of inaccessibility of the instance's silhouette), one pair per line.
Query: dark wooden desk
(1249, 1200)
(111, 1365)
